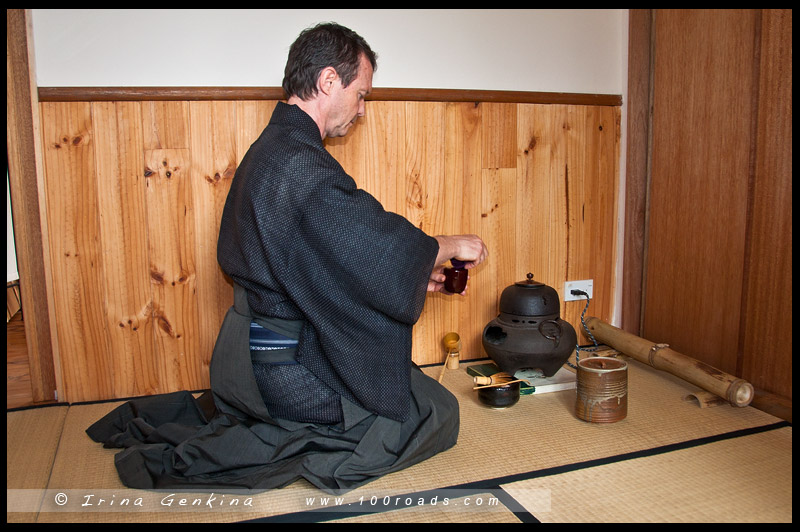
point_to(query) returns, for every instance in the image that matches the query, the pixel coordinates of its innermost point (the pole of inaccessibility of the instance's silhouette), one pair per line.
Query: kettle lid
(530, 298)
(529, 282)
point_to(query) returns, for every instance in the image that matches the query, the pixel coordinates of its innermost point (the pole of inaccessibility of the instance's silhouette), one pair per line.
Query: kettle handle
(556, 338)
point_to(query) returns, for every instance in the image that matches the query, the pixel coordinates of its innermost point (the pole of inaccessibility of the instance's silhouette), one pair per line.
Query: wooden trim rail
(78, 94)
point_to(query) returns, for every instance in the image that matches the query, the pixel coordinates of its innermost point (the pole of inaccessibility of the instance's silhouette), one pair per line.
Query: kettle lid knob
(529, 282)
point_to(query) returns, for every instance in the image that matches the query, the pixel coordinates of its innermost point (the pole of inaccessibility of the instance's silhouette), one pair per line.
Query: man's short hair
(318, 47)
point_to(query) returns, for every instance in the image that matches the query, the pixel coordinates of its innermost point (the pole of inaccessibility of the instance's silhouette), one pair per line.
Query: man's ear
(326, 80)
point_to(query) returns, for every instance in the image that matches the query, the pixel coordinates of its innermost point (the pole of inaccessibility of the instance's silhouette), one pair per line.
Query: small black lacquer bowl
(499, 396)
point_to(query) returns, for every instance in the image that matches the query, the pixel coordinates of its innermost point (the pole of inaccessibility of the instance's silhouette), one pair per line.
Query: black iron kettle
(529, 332)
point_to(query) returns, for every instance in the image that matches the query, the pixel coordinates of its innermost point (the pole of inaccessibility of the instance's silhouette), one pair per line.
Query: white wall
(579, 50)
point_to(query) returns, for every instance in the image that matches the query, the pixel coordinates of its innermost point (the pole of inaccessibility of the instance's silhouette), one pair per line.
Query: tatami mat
(495, 447)
(740, 480)
(32, 438)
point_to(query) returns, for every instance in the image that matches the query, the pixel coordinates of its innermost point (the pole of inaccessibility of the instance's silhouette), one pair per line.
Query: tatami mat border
(83, 403)
(34, 407)
(463, 490)
(493, 485)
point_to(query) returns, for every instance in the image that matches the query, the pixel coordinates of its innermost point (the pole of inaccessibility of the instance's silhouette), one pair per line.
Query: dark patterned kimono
(311, 375)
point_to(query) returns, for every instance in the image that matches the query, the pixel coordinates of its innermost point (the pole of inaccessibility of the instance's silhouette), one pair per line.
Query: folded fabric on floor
(175, 441)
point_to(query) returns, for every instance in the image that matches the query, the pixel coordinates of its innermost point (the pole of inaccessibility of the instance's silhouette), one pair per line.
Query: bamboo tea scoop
(499, 385)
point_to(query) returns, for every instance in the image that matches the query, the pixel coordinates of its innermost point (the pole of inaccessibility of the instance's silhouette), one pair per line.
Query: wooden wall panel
(121, 188)
(719, 241)
(498, 135)
(637, 167)
(139, 196)
(464, 184)
(76, 254)
(173, 273)
(702, 117)
(767, 307)
(593, 209)
(429, 204)
(214, 159)
(165, 125)
(537, 175)
(566, 201)
(251, 119)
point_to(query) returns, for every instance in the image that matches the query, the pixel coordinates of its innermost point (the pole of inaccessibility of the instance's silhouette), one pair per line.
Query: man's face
(347, 103)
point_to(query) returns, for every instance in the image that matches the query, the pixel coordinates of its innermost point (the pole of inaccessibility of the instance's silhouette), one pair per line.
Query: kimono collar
(294, 117)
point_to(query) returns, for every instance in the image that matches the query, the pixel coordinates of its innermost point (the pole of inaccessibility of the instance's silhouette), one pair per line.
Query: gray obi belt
(288, 389)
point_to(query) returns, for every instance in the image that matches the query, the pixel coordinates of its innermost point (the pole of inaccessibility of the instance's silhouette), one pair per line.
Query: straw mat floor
(668, 461)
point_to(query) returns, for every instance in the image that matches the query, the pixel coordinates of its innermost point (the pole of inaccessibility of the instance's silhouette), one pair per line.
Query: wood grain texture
(718, 268)
(637, 166)
(76, 254)
(464, 184)
(26, 190)
(173, 268)
(136, 191)
(767, 303)
(126, 280)
(18, 378)
(213, 128)
(702, 116)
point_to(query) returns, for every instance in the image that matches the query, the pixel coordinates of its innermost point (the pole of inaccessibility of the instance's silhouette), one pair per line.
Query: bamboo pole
(736, 391)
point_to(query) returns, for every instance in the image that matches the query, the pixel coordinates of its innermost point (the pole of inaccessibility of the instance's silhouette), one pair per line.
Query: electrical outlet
(584, 286)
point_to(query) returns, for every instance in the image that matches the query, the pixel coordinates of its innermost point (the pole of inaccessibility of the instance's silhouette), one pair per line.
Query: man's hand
(466, 248)
(469, 249)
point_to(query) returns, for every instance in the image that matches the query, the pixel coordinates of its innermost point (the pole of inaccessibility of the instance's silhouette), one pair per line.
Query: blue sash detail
(262, 339)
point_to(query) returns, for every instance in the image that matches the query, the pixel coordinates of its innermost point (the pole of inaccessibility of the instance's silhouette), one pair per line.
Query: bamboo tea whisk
(498, 379)
(452, 344)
